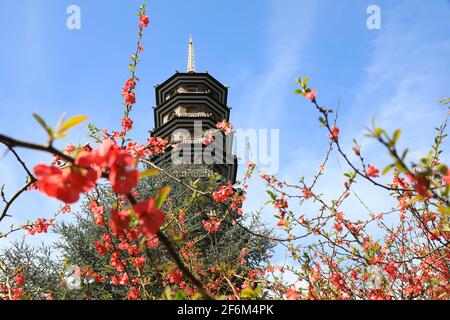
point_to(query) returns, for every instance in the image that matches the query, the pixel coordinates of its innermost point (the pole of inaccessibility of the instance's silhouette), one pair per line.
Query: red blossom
(311, 95)
(98, 278)
(121, 165)
(281, 203)
(69, 149)
(225, 126)
(102, 248)
(378, 294)
(223, 193)
(334, 133)
(66, 208)
(150, 218)
(208, 139)
(143, 21)
(391, 269)
(120, 279)
(153, 242)
(19, 279)
(338, 227)
(307, 193)
(134, 294)
(133, 250)
(17, 293)
(282, 223)
(119, 221)
(98, 211)
(421, 184)
(117, 263)
(372, 171)
(138, 262)
(130, 98)
(40, 226)
(123, 175)
(338, 281)
(292, 293)
(446, 178)
(64, 184)
(175, 276)
(127, 124)
(157, 145)
(212, 225)
(130, 84)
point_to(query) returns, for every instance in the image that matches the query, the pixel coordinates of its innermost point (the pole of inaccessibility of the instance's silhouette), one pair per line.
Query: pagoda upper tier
(189, 96)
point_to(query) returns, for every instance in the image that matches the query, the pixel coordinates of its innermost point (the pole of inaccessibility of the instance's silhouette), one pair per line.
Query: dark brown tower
(189, 101)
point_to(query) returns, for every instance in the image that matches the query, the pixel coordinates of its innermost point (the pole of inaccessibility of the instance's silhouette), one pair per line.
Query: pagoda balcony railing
(189, 141)
(173, 94)
(194, 115)
(187, 115)
(187, 93)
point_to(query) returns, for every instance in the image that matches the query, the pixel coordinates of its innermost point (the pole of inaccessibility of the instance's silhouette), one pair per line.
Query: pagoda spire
(191, 56)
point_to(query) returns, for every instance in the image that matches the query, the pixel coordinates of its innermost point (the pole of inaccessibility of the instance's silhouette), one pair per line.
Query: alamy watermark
(72, 277)
(73, 21)
(212, 147)
(374, 19)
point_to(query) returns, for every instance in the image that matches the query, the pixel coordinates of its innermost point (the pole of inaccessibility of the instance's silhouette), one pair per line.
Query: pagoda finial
(191, 56)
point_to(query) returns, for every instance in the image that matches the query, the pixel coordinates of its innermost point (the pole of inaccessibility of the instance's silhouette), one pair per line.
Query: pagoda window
(193, 109)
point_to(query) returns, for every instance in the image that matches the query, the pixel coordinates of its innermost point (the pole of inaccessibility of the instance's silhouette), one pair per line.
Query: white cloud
(266, 90)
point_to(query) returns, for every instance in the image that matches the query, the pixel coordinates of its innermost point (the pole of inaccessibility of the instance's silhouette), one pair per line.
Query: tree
(224, 254)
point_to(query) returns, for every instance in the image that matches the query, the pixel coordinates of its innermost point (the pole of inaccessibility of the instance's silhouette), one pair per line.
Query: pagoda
(189, 105)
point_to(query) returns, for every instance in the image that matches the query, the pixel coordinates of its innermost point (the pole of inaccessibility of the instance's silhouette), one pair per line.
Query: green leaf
(400, 167)
(72, 122)
(167, 293)
(405, 153)
(387, 169)
(61, 121)
(377, 132)
(44, 125)
(149, 173)
(161, 196)
(180, 295)
(247, 293)
(396, 136)
(441, 168)
(305, 81)
(61, 136)
(272, 195)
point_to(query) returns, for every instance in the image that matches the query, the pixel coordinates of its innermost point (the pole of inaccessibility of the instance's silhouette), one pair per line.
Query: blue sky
(256, 47)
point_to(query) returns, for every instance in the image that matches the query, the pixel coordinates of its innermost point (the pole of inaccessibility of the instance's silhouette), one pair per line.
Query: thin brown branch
(14, 198)
(12, 143)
